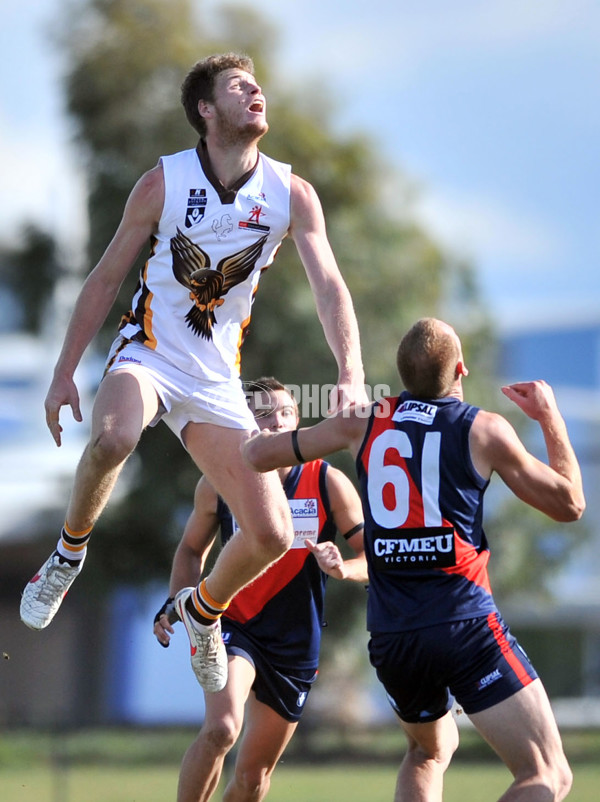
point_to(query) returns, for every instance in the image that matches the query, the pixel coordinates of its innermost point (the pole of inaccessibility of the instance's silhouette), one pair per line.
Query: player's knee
(274, 541)
(566, 783)
(220, 736)
(437, 752)
(253, 781)
(555, 776)
(563, 780)
(112, 447)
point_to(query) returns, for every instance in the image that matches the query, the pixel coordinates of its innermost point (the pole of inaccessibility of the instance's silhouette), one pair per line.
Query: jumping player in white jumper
(215, 217)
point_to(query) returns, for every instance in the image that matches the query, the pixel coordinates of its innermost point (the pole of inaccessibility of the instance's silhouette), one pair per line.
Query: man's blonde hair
(427, 358)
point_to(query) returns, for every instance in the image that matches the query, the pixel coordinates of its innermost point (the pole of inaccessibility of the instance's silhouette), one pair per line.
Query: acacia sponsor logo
(303, 507)
(427, 547)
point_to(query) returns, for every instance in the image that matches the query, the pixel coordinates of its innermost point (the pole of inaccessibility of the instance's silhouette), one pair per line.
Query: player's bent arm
(269, 450)
(347, 512)
(536, 399)
(332, 297)
(495, 446)
(190, 556)
(140, 220)
(197, 539)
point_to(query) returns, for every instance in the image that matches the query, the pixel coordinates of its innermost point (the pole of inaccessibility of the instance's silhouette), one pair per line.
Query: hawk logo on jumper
(222, 227)
(208, 286)
(488, 679)
(416, 411)
(196, 207)
(430, 547)
(305, 518)
(253, 220)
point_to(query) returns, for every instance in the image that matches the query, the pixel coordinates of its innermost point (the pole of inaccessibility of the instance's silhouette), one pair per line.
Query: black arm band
(296, 447)
(354, 530)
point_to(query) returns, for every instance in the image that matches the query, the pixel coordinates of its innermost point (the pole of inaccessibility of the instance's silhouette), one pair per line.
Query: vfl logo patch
(196, 207)
(429, 547)
(416, 411)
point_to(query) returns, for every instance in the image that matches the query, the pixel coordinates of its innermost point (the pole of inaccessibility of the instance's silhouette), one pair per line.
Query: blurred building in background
(563, 638)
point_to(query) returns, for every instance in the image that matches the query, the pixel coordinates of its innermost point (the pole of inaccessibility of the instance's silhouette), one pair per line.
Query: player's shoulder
(302, 191)
(150, 185)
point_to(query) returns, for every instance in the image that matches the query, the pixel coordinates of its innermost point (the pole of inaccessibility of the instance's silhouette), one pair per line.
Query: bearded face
(233, 126)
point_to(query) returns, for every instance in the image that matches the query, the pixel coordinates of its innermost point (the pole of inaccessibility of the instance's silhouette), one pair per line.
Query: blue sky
(491, 108)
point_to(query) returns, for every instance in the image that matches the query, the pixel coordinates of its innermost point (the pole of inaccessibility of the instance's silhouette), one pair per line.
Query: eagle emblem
(191, 267)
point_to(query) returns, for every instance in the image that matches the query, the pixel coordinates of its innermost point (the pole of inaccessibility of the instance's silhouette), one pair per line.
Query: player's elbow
(254, 454)
(571, 508)
(576, 510)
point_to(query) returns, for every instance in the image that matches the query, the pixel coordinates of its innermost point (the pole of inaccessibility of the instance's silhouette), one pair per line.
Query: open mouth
(257, 106)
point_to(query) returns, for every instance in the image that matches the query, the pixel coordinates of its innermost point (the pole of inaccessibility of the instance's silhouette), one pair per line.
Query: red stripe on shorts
(506, 649)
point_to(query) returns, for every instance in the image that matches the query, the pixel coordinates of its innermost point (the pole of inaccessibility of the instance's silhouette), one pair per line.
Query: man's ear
(461, 369)
(205, 109)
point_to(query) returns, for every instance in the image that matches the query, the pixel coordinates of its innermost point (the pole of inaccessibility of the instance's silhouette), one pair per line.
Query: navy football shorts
(477, 661)
(285, 690)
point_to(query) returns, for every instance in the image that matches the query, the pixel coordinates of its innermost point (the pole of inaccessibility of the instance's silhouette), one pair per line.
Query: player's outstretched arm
(140, 219)
(191, 553)
(269, 450)
(332, 298)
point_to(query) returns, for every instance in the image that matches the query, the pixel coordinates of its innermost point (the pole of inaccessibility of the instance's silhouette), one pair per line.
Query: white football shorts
(183, 398)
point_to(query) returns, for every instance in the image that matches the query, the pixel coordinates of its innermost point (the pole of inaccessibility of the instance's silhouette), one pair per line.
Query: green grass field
(141, 766)
(464, 783)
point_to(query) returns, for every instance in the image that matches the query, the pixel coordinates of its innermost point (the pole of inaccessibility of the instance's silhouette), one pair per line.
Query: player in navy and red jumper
(424, 461)
(272, 628)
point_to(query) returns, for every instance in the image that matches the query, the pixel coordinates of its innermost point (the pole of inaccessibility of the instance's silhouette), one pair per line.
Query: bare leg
(430, 749)
(266, 736)
(203, 762)
(257, 501)
(124, 405)
(523, 731)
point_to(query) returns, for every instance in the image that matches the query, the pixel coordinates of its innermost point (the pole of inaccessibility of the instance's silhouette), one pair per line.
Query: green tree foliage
(29, 271)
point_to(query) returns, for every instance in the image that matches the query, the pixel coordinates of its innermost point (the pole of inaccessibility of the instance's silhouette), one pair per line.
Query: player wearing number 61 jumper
(424, 461)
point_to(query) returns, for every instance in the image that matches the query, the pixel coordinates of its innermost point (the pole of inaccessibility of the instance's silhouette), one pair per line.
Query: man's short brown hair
(199, 83)
(427, 358)
(265, 384)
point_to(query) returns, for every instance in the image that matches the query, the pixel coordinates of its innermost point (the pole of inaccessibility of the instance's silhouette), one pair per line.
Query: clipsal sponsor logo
(430, 548)
(417, 411)
(488, 679)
